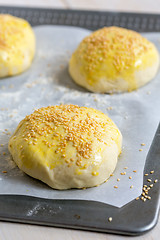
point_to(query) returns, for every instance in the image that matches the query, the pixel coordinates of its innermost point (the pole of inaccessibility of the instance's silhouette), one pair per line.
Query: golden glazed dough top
(65, 134)
(16, 40)
(116, 53)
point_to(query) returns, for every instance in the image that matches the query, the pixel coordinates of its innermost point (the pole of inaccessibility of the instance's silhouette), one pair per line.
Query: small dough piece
(114, 59)
(67, 146)
(17, 45)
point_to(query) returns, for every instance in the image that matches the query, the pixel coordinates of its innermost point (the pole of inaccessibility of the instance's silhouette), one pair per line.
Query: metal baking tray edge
(136, 217)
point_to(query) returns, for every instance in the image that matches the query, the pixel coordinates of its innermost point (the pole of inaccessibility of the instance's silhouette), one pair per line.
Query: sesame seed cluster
(121, 46)
(57, 127)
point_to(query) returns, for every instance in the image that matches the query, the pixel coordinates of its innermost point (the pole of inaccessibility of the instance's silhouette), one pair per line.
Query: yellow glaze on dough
(113, 55)
(17, 45)
(67, 146)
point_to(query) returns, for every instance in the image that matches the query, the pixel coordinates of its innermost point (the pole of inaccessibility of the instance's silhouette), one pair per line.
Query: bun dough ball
(17, 45)
(113, 60)
(67, 146)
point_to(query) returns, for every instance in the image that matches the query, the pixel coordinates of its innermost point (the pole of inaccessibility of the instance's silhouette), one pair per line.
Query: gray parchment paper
(47, 82)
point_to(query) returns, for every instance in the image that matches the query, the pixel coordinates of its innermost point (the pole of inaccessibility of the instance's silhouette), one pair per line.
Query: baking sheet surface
(47, 82)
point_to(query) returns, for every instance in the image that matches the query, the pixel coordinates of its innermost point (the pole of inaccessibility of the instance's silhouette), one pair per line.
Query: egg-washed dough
(17, 45)
(67, 146)
(113, 60)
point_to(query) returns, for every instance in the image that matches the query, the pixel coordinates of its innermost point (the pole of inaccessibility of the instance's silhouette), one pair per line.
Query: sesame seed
(137, 198)
(146, 174)
(149, 180)
(142, 144)
(140, 150)
(131, 186)
(4, 171)
(130, 177)
(110, 219)
(95, 173)
(134, 171)
(115, 186)
(156, 180)
(151, 185)
(109, 108)
(152, 172)
(118, 179)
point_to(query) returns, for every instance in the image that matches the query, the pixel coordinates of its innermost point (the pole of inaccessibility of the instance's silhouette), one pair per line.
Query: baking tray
(134, 218)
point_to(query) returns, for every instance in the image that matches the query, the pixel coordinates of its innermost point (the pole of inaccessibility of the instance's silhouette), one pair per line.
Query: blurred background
(152, 6)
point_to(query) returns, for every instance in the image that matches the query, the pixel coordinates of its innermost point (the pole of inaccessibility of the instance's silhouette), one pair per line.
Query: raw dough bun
(67, 146)
(17, 45)
(113, 60)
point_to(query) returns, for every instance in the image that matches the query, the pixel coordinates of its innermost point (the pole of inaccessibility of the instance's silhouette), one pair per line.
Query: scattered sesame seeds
(123, 173)
(110, 219)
